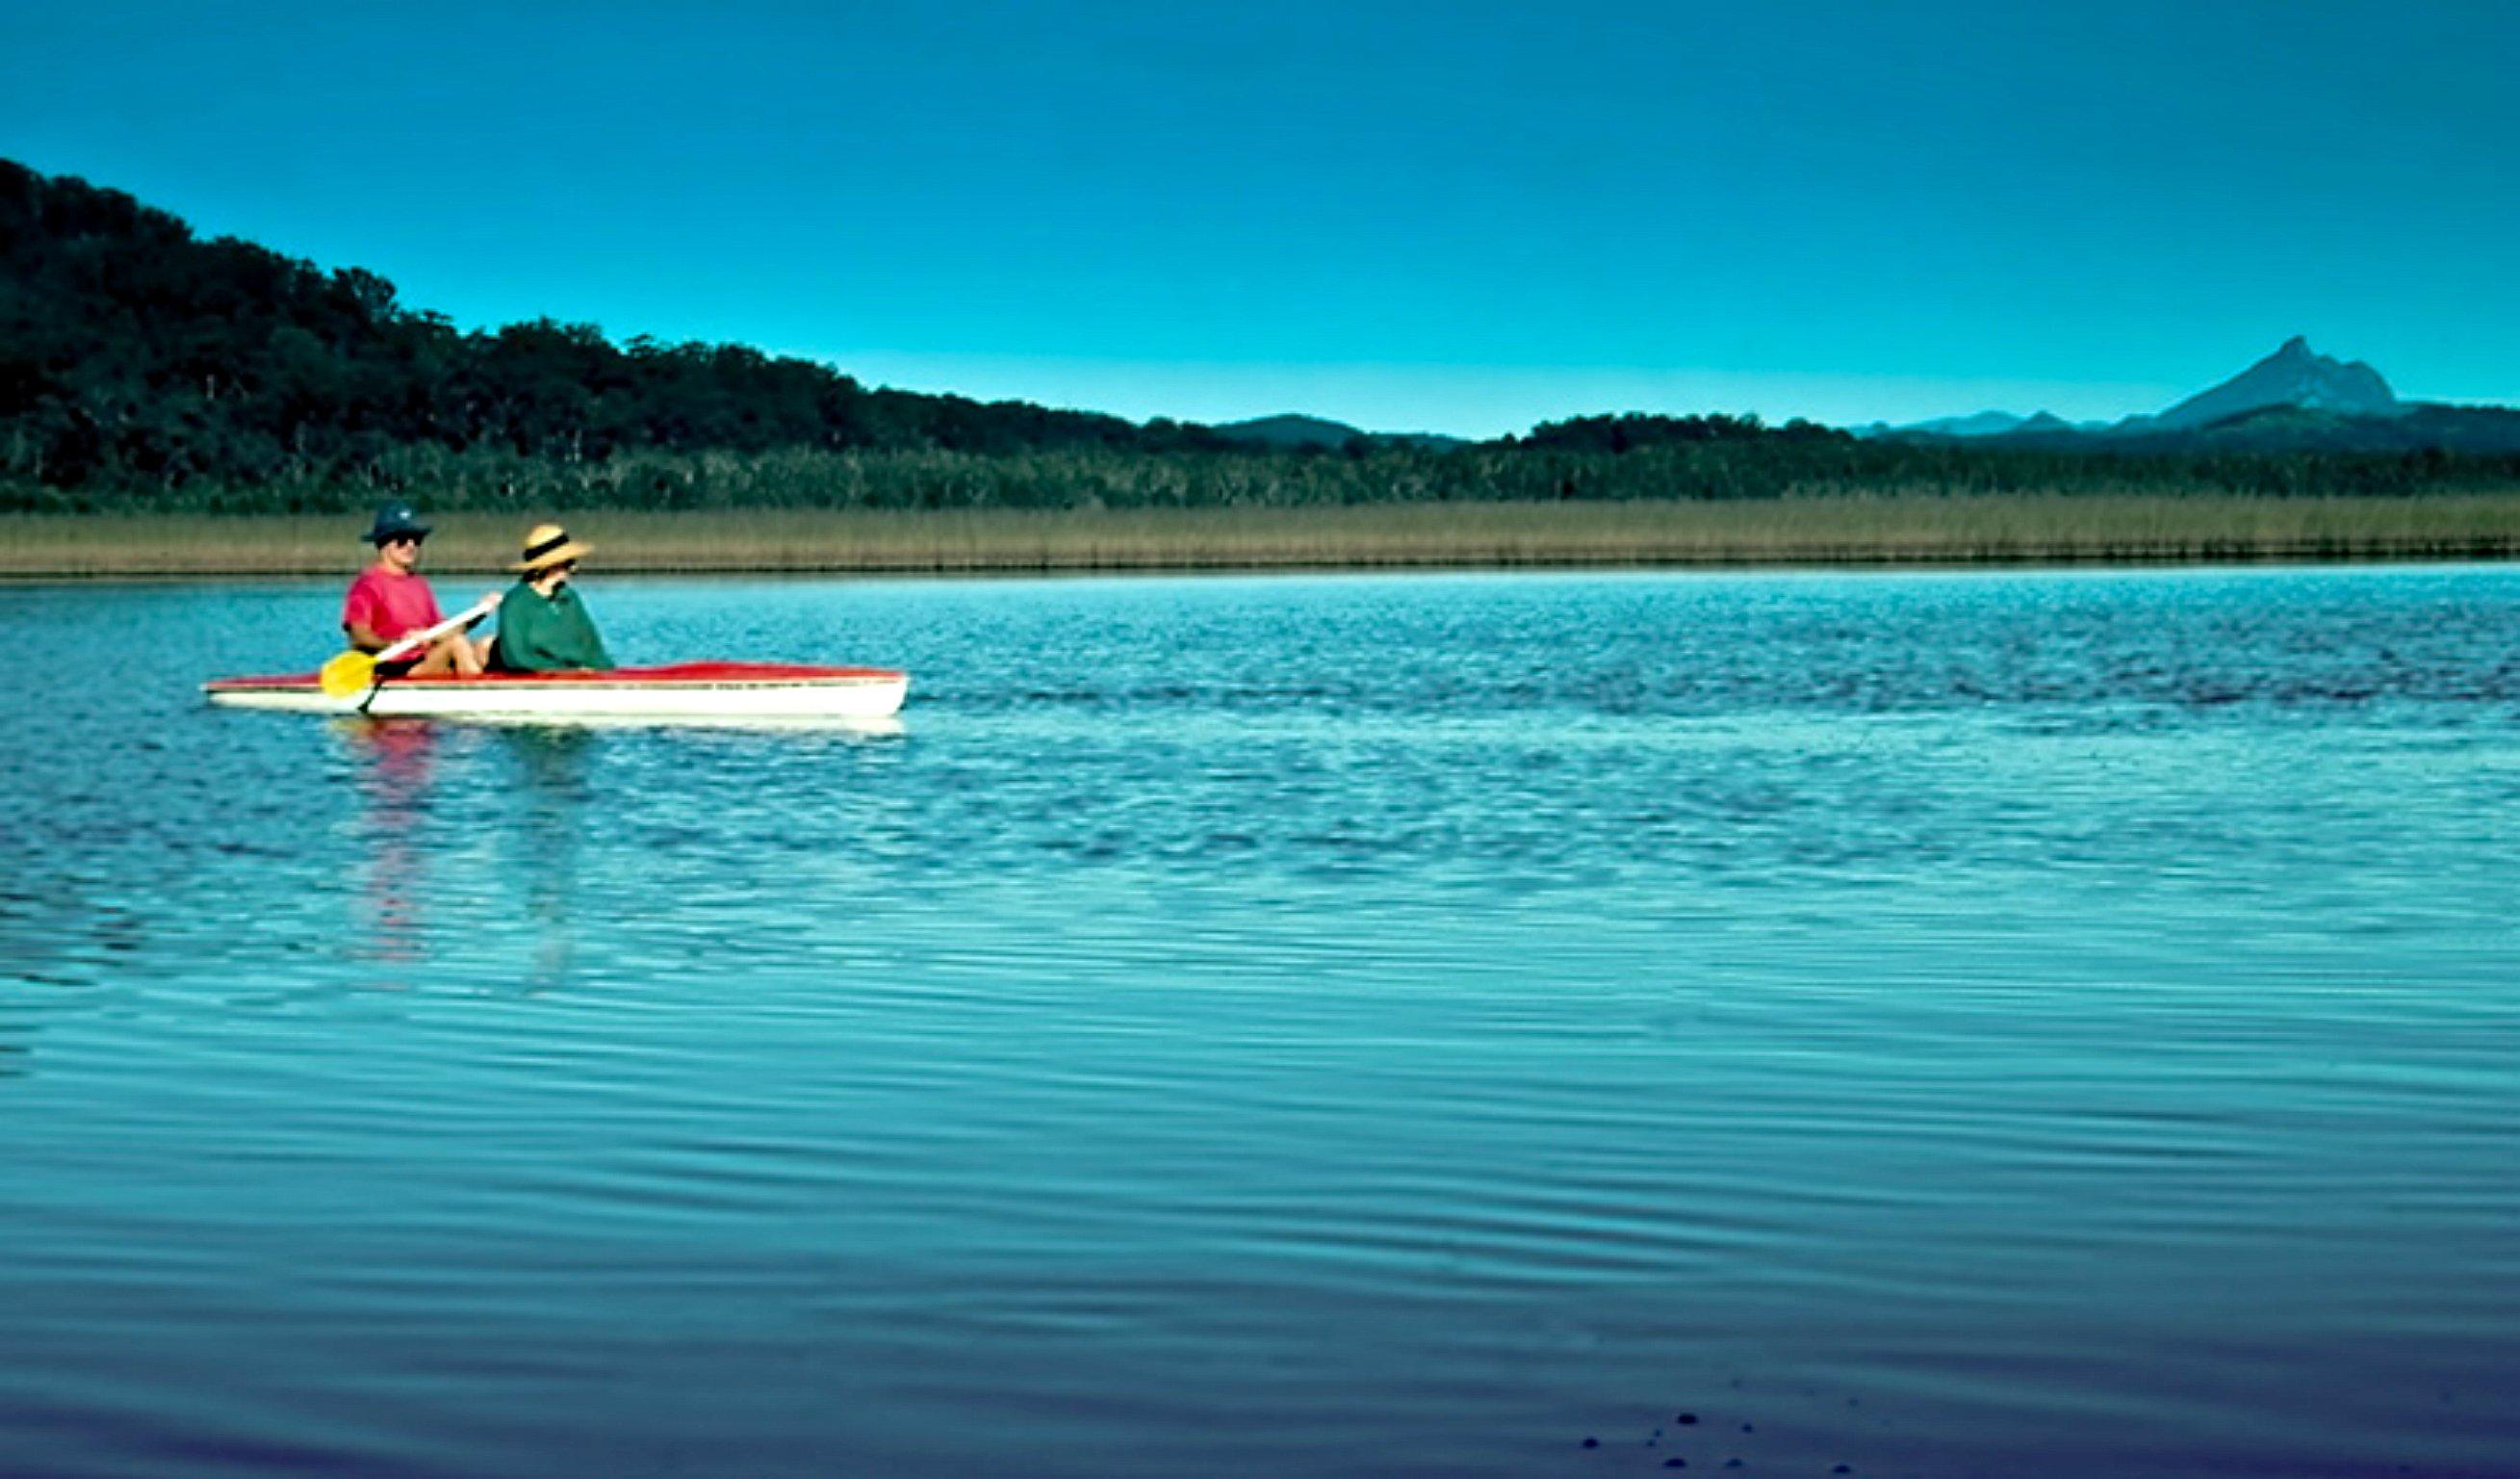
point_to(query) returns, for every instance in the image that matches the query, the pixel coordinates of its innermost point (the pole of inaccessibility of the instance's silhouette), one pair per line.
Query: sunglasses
(410, 539)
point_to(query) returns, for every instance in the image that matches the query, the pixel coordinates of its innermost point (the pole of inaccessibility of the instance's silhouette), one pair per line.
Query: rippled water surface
(1941, 1025)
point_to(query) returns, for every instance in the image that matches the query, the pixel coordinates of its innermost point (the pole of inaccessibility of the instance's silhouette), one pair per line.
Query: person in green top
(543, 626)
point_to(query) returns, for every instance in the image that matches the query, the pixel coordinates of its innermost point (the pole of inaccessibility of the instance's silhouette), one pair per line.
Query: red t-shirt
(389, 604)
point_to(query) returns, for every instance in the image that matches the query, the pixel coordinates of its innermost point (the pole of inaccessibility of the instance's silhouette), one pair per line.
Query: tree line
(142, 367)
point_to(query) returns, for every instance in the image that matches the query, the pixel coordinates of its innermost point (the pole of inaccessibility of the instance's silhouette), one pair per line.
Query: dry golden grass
(1813, 530)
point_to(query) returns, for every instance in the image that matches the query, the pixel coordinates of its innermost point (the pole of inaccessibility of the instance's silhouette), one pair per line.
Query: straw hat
(548, 544)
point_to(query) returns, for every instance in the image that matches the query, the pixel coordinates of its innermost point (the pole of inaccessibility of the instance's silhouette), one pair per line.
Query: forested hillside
(144, 367)
(134, 355)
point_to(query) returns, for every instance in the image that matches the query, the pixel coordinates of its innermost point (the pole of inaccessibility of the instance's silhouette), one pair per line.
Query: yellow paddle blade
(347, 674)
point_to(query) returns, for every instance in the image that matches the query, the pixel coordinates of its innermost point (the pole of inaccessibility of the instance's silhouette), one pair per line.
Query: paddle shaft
(419, 639)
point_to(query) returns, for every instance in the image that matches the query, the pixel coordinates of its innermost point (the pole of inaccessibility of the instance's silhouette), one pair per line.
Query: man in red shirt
(391, 600)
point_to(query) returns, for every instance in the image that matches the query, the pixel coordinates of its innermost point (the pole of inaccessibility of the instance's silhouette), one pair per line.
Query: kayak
(686, 692)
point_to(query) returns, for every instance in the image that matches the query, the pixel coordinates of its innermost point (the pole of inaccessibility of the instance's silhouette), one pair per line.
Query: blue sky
(1449, 217)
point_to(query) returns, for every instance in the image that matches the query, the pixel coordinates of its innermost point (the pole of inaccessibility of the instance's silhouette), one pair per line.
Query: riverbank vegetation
(1816, 531)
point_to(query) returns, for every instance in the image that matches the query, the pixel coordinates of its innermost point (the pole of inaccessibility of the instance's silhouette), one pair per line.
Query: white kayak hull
(689, 692)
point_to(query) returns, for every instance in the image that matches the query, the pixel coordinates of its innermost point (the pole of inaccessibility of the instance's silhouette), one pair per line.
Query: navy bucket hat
(395, 520)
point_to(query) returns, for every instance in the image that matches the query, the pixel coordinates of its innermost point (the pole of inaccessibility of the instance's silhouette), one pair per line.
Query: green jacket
(538, 634)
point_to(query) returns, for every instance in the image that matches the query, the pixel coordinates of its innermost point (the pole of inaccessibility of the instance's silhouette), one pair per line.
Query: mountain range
(2295, 399)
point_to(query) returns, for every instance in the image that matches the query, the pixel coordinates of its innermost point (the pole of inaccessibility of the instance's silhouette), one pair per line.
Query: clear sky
(1449, 217)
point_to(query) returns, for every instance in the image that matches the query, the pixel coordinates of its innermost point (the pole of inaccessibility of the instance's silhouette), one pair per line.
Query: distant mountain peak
(2294, 375)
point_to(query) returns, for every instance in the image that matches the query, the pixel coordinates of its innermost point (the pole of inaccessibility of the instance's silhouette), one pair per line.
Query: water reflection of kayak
(686, 691)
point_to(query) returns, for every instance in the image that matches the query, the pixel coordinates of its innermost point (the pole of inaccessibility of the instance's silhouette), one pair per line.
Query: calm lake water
(1991, 1024)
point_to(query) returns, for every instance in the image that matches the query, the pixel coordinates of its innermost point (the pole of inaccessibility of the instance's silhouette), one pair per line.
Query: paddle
(354, 670)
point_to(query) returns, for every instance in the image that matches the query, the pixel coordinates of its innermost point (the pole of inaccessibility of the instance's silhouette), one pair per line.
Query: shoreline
(1879, 532)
